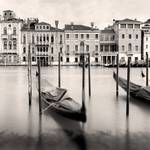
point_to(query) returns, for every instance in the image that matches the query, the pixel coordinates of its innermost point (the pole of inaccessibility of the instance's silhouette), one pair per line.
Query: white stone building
(108, 47)
(78, 36)
(44, 42)
(10, 39)
(128, 34)
(146, 38)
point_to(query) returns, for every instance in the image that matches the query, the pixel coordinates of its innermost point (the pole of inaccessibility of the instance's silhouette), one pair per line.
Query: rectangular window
(112, 37)
(96, 47)
(130, 25)
(67, 48)
(96, 36)
(123, 48)
(60, 49)
(122, 25)
(87, 36)
(67, 36)
(130, 36)
(76, 36)
(106, 48)
(136, 36)
(76, 48)
(82, 36)
(137, 26)
(123, 36)
(146, 46)
(146, 38)
(136, 59)
(136, 48)
(101, 48)
(87, 48)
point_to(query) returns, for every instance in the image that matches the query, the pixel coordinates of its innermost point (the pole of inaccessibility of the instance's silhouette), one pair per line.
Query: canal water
(107, 127)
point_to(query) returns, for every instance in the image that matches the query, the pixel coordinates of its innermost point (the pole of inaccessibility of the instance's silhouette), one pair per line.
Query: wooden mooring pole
(29, 77)
(59, 76)
(147, 66)
(128, 88)
(89, 74)
(117, 72)
(39, 86)
(83, 84)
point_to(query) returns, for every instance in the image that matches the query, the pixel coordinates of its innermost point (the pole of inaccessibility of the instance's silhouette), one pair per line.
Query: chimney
(92, 25)
(72, 25)
(56, 23)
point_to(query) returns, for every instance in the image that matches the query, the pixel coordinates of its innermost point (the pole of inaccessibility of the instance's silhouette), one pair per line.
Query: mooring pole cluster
(128, 82)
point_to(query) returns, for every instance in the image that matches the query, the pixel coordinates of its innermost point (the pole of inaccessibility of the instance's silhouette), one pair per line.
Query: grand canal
(107, 127)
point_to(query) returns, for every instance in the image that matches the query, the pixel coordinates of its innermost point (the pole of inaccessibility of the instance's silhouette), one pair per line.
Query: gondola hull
(72, 111)
(136, 91)
(74, 115)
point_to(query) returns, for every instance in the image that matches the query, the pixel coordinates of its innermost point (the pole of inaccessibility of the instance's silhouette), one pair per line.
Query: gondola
(59, 101)
(136, 91)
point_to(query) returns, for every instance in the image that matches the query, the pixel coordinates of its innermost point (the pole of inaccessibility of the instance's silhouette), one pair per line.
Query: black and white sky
(101, 12)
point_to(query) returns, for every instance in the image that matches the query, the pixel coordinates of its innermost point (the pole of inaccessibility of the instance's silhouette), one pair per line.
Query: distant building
(129, 38)
(146, 37)
(10, 39)
(108, 47)
(79, 39)
(128, 34)
(43, 40)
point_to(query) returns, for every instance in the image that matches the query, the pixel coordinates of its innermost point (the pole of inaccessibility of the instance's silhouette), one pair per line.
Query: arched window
(5, 44)
(5, 30)
(24, 50)
(44, 37)
(37, 38)
(40, 38)
(47, 37)
(14, 30)
(82, 46)
(32, 50)
(129, 47)
(43, 49)
(60, 39)
(52, 39)
(52, 58)
(52, 50)
(32, 39)
(24, 38)
(10, 45)
(14, 44)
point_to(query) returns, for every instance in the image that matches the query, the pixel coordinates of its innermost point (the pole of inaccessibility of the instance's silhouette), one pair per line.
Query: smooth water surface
(107, 126)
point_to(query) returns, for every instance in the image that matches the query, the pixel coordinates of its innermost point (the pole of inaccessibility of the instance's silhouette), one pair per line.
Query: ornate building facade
(79, 39)
(18, 37)
(10, 39)
(108, 46)
(43, 41)
(128, 34)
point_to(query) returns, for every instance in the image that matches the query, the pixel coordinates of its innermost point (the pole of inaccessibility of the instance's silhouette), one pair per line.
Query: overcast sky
(101, 12)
